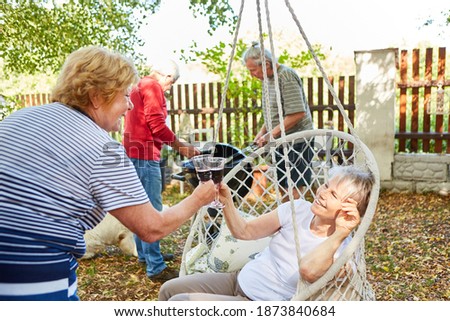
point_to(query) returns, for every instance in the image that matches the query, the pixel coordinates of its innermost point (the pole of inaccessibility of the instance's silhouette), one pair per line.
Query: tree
(36, 36)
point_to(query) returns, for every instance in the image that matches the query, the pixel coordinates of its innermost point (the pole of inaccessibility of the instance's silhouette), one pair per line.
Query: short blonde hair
(361, 180)
(93, 68)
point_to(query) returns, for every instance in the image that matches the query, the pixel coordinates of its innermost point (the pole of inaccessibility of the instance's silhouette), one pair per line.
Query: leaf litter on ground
(407, 254)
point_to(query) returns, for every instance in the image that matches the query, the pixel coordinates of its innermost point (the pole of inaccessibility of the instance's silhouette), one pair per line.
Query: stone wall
(420, 173)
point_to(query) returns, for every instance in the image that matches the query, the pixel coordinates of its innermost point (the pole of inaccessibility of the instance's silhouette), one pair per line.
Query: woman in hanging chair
(324, 227)
(296, 115)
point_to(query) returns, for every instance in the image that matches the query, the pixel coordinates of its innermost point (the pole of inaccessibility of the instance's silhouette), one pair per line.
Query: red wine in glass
(203, 175)
(216, 166)
(202, 167)
(217, 175)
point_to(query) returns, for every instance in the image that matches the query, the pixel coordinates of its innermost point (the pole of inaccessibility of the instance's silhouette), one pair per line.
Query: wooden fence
(423, 112)
(422, 124)
(33, 99)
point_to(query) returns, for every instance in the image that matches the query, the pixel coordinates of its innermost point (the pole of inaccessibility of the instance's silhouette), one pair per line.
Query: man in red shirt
(145, 134)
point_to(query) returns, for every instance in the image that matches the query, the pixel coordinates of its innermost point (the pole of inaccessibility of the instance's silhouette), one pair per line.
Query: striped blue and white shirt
(59, 174)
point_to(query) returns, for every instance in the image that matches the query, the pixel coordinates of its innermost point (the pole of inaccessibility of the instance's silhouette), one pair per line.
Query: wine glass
(216, 167)
(201, 165)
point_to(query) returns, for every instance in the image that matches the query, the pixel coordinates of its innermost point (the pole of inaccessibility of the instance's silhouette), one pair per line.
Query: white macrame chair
(211, 248)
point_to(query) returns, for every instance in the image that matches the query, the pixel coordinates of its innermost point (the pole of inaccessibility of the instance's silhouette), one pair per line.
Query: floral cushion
(196, 260)
(229, 254)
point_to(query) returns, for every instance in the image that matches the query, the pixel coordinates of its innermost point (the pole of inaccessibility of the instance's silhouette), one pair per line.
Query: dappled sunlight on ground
(407, 254)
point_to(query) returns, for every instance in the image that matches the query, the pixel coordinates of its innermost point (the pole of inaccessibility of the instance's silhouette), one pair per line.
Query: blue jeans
(149, 173)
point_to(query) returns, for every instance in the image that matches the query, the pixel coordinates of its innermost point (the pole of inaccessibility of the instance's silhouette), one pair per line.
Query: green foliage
(7, 106)
(12, 84)
(219, 13)
(445, 16)
(37, 36)
(303, 59)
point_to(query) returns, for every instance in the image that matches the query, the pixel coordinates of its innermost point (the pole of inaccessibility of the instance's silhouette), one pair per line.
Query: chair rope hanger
(210, 247)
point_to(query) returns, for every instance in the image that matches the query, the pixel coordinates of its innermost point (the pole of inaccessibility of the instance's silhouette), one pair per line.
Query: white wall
(375, 105)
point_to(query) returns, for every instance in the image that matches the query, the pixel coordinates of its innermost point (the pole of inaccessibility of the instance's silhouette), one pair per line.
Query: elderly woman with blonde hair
(60, 172)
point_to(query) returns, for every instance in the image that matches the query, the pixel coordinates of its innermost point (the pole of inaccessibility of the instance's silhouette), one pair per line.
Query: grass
(407, 254)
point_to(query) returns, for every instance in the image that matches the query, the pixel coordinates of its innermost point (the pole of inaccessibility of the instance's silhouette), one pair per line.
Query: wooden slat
(422, 83)
(351, 102)
(211, 103)
(415, 99)
(320, 101)
(196, 106)
(219, 99)
(440, 118)
(322, 108)
(351, 99)
(225, 129)
(329, 114)
(187, 107)
(403, 98)
(427, 95)
(443, 54)
(202, 103)
(179, 106)
(419, 135)
(341, 95)
(239, 124)
(245, 116)
(33, 100)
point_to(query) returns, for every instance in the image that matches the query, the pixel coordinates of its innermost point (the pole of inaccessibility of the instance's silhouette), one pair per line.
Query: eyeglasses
(128, 99)
(173, 80)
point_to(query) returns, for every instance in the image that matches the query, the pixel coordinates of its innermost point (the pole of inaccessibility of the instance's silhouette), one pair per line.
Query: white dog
(109, 232)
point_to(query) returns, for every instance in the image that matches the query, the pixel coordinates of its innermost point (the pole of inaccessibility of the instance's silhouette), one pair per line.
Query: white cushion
(196, 260)
(229, 254)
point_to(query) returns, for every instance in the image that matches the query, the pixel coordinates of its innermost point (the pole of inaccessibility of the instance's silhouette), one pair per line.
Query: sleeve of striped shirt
(114, 182)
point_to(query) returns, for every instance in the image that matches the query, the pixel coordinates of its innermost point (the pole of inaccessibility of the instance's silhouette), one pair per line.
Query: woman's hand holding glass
(216, 166)
(207, 168)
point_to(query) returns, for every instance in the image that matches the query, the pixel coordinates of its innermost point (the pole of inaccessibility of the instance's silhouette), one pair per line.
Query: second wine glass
(216, 166)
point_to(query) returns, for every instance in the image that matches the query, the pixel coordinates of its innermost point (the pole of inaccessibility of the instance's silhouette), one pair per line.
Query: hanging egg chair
(210, 247)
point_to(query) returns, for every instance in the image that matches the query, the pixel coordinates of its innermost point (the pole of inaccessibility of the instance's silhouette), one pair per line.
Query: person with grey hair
(165, 68)
(324, 229)
(296, 114)
(145, 133)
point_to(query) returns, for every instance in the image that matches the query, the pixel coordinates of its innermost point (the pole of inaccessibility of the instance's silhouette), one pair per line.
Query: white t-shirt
(273, 274)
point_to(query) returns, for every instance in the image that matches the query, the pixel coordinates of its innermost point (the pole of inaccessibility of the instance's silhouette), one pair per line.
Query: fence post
(375, 105)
